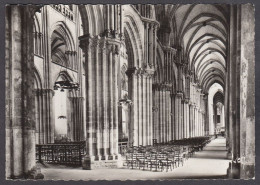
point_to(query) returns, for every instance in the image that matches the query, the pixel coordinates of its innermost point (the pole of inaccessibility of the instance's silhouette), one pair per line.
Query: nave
(210, 163)
(92, 85)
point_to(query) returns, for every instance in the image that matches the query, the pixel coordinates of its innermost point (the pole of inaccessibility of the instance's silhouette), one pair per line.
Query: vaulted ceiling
(201, 32)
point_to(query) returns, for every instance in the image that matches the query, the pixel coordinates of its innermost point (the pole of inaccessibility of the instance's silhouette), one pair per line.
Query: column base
(247, 171)
(233, 171)
(34, 173)
(101, 162)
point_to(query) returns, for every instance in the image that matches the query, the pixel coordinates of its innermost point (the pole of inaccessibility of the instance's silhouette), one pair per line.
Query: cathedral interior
(129, 89)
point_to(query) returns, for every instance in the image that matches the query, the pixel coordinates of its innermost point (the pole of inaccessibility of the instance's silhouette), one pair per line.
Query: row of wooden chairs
(154, 161)
(165, 156)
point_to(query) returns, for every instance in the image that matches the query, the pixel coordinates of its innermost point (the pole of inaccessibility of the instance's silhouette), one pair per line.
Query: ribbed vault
(200, 32)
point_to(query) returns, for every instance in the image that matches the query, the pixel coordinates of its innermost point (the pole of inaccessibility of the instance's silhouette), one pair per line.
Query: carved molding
(89, 43)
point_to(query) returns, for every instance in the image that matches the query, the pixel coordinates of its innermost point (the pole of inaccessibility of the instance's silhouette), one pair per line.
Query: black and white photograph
(129, 91)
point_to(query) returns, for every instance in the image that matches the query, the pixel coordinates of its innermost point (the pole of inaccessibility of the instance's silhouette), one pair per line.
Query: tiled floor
(211, 163)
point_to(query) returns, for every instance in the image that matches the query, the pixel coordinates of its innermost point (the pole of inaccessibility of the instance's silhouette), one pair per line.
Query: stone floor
(211, 163)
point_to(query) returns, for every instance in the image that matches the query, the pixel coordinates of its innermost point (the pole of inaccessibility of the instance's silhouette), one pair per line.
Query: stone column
(178, 115)
(164, 135)
(159, 110)
(200, 122)
(173, 116)
(20, 106)
(187, 115)
(182, 120)
(150, 110)
(169, 126)
(76, 122)
(101, 54)
(115, 47)
(39, 117)
(206, 115)
(144, 101)
(140, 108)
(195, 121)
(48, 115)
(190, 120)
(247, 102)
(203, 124)
(134, 110)
(142, 104)
(86, 45)
(155, 112)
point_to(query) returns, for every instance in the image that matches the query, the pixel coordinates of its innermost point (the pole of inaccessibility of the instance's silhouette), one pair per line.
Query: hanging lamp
(66, 84)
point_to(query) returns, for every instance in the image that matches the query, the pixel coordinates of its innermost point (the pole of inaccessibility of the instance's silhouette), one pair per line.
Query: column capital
(151, 23)
(179, 94)
(199, 90)
(179, 64)
(194, 84)
(149, 70)
(110, 33)
(88, 42)
(188, 76)
(169, 49)
(146, 71)
(85, 41)
(187, 100)
(131, 71)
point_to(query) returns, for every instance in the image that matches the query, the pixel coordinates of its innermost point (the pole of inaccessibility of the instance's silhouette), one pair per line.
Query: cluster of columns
(140, 92)
(175, 118)
(162, 113)
(197, 109)
(178, 116)
(140, 80)
(71, 60)
(150, 42)
(102, 61)
(76, 119)
(186, 118)
(169, 58)
(44, 119)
